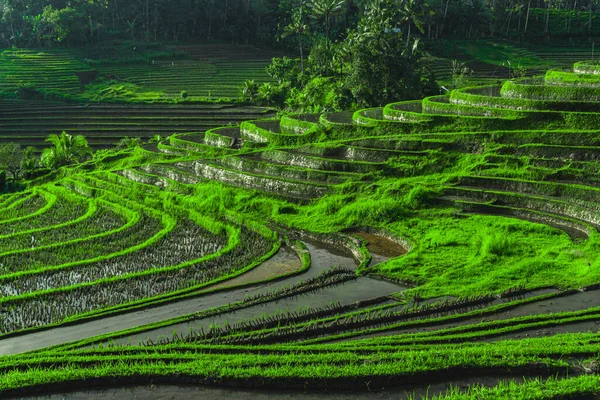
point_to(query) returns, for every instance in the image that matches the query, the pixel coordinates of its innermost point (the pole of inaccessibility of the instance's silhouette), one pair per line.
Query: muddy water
(165, 392)
(575, 302)
(380, 247)
(347, 293)
(323, 257)
(282, 263)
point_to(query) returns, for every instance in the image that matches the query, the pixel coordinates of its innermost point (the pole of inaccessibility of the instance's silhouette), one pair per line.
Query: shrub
(495, 245)
(28, 92)
(36, 173)
(420, 196)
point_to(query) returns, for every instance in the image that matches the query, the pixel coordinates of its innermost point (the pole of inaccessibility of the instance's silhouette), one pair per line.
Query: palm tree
(412, 14)
(548, 15)
(129, 143)
(299, 29)
(249, 90)
(341, 54)
(527, 17)
(66, 149)
(327, 9)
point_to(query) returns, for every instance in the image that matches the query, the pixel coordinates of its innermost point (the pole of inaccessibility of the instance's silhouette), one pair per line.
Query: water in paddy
(570, 303)
(322, 258)
(168, 392)
(284, 262)
(380, 247)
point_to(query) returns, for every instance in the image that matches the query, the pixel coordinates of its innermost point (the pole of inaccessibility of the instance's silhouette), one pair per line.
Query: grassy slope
(152, 75)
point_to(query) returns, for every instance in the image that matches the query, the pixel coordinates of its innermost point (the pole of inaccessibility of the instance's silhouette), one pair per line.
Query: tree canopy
(76, 22)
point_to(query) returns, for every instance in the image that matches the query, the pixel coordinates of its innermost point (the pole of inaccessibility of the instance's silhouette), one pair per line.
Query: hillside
(422, 242)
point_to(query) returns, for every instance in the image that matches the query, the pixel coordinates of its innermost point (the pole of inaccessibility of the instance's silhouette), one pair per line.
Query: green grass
(499, 53)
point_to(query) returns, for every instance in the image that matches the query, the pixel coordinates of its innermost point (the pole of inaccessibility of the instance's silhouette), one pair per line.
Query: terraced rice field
(493, 60)
(30, 123)
(45, 70)
(453, 239)
(137, 102)
(210, 71)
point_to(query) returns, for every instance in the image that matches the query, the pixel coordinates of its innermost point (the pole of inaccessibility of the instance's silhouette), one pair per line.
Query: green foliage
(420, 197)
(129, 143)
(495, 245)
(28, 92)
(283, 70)
(249, 90)
(65, 150)
(320, 95)
(384, 67)
(459, 73)
(12, 158)
(157, 139)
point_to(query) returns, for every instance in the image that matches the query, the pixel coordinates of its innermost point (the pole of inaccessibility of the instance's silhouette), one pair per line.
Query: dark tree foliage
(39, 23)
(384, 67)
(382, 74)
(369, 65)
(11, 159)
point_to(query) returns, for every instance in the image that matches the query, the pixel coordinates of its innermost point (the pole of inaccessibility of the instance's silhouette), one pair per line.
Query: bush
(28, 92)
(495, 245)
(36, 173)
(420, 196)
(183, 94)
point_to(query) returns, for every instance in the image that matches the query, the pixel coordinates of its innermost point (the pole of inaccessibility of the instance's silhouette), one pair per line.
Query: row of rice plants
(289, 368)
(339, 321)
(34, 204)
(49, 70)
(197, 78)
(186, 242)
(492, 330)
(8, 198)
(428, 318)
(105, 124)
(69, 302)
(110, 236)
(139, 265)
(69, 212)
(331, 277)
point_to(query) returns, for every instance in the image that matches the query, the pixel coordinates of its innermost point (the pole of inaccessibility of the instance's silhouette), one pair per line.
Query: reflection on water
(204, 393)
(167, 392)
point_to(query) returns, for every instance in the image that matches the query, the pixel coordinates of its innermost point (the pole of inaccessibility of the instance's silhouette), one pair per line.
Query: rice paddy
(425, 242)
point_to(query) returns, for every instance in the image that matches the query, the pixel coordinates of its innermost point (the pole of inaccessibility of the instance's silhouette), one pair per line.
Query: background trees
(16, 161)
(11, 158)
(371, 63)
(75, 22)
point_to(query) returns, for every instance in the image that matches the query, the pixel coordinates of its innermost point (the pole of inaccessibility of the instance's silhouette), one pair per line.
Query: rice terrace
(299, 199)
